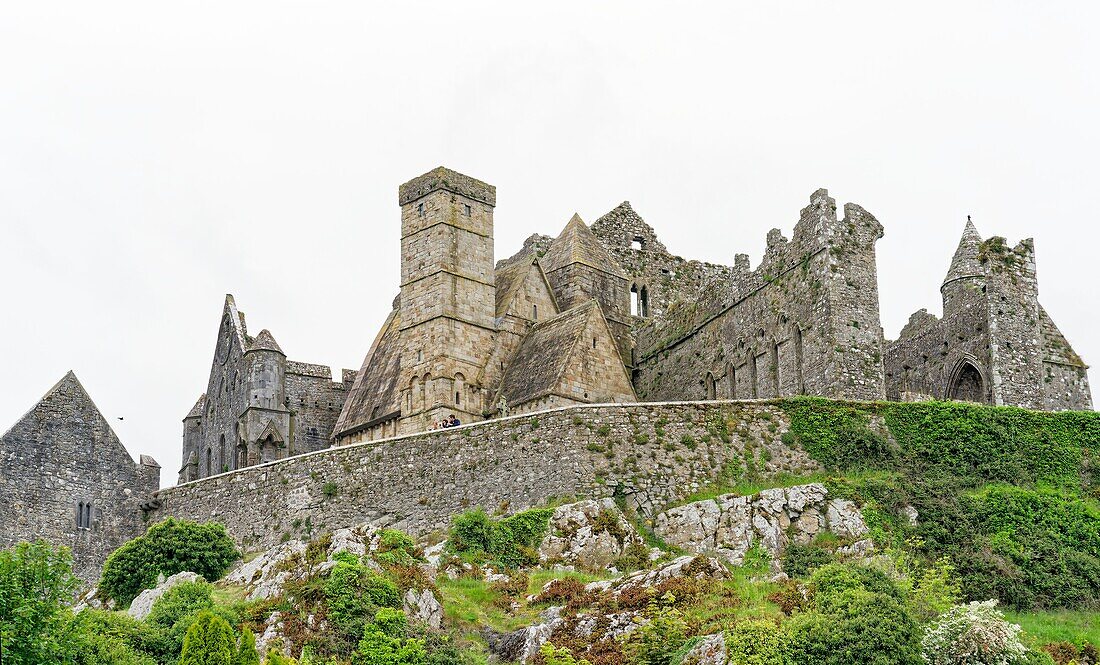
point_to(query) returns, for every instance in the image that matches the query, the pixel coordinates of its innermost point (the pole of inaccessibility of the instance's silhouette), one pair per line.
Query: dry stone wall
(649, 454)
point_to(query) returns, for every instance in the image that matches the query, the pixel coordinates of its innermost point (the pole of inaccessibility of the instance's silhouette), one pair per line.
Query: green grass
(470, 604)
(1058, 626)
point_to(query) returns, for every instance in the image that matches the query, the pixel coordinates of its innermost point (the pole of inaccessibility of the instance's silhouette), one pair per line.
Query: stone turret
(263, 430)
(965, 278)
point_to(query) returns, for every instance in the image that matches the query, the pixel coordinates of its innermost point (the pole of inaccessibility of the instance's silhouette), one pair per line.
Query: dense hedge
(1009, 495)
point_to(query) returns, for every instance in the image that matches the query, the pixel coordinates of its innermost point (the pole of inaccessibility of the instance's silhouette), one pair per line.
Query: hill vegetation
(964, 505)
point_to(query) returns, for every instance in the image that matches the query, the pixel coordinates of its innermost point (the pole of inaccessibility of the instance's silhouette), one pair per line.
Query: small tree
(209, 641)
(973, 634)
(246, 651)
(36, 585)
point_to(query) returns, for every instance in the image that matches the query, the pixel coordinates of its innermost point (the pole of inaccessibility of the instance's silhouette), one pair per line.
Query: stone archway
(967, 384)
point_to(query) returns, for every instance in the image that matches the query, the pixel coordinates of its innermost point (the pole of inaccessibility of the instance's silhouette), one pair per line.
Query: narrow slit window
(420, 210)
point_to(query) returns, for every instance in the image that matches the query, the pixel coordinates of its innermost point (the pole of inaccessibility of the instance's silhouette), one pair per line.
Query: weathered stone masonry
(66, 478)
(651, 454)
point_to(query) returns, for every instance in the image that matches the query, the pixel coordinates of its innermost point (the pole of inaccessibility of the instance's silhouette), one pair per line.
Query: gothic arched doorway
(967, 384)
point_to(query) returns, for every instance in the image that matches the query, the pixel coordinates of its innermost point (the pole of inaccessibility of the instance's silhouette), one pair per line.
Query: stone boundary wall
(652, 454)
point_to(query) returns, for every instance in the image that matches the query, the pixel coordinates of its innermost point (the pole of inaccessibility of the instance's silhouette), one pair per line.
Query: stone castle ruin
(606, 314)
(601, 321)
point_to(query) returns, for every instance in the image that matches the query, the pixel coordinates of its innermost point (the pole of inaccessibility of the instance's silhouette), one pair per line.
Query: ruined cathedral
(604, 313)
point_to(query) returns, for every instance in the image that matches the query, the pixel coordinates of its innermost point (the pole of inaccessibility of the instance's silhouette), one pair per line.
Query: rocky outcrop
(423, 607)
(143, 604)
(729, 525)
(711, 650)
(687, 566)
(589, 534)
(267, 574)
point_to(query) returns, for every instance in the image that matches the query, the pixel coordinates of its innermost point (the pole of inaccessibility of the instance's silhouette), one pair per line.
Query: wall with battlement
(651, 454)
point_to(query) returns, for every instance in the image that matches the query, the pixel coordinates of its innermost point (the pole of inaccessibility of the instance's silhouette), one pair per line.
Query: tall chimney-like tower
(448, 296)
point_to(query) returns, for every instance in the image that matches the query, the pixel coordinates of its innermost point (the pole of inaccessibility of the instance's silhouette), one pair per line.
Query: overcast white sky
(155, 156)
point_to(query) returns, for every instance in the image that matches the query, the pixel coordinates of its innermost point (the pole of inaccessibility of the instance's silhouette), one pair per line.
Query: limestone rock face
(261, 575)
(729, 525)
(711, 650)
(690, 566)
(266, 575)
(423, 607)
(143, 604)
(588, 534)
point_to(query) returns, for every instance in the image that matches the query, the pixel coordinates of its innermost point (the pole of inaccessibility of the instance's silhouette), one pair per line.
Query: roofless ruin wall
(651, 454)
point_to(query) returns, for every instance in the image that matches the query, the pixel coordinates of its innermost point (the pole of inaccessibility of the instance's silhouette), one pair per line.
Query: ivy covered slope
(936, 533)
(1009, 496)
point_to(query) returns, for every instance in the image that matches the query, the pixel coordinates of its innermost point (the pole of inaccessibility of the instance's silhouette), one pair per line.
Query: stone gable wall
(60, 454)
(651, 454)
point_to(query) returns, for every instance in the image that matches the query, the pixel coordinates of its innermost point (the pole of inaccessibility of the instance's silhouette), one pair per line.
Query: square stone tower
(448, 296)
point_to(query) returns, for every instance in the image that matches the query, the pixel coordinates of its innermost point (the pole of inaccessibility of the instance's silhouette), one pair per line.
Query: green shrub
(354, 593)
(510, 542)
(209, 641)
(856, 615)
(386, 642)
(106, 638)
(756, 643)
(857, 626)
(167, 548)
(657, 640)
(246, 651)
(801, 560)
(562, 656)
(36, 587)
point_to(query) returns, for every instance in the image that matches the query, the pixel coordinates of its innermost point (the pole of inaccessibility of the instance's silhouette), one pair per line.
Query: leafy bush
(856, 615)
(562, 656)
(354, 593)
(801, 560)
(167, 548)
(209, 641)
(386, 642)
(510, 542)
(657, 640)
(756, 643)
(106, 638)
(974, 634)
(36, 587)
(998, 490)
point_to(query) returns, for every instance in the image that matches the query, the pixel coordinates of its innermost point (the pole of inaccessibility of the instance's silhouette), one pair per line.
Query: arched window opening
(710, 386)
(731, 374)
(242, 456)
(535, 312)
(967, 384)
(209, 461)
(460, 388)
(80, 515)
(643, 302)
(416, 394)
(635, 310)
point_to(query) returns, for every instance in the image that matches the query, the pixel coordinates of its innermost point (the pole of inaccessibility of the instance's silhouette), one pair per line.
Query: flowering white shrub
(973, 634)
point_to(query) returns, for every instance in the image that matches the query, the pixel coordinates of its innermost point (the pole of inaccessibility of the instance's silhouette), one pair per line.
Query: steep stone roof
(544, 354)
(577, 244)
(965, 262)
(1056, 347)
(265, 341)
(197, 410)
(510, 279)
(375, 392)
